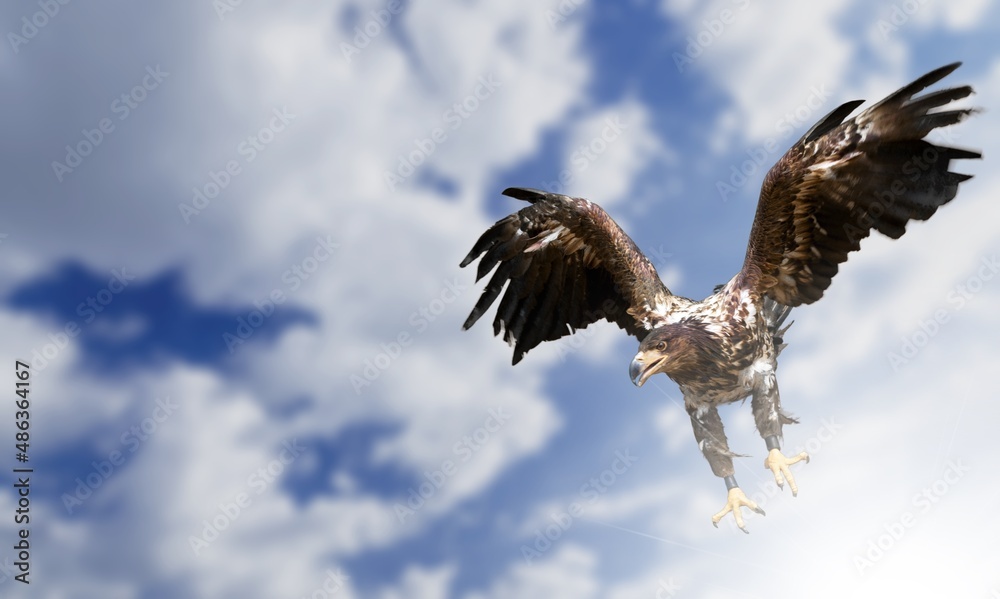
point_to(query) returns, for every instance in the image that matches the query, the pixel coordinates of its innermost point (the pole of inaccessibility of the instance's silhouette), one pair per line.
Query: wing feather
(844, 179)
(562, 263)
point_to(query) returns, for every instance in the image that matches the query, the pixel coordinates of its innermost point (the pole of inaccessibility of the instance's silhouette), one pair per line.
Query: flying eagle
(567, 264)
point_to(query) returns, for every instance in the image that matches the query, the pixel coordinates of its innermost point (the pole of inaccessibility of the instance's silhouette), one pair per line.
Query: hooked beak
(639, 370)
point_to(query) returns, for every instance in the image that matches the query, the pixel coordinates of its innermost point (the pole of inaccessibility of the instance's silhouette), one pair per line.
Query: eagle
(566, 264)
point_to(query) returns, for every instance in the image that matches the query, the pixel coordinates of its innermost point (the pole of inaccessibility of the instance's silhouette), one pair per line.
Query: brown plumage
(841, 180)
(567, 264)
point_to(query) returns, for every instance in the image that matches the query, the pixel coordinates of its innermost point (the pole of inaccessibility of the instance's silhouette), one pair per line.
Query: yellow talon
(778, 464)
(735, 501)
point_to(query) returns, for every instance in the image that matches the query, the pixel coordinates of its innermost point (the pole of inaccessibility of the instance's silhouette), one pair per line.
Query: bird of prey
(566, 264)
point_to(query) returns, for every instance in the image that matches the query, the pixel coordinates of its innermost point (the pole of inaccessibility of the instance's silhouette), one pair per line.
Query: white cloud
(324, 175)
(423, 583)
(568, 574)
(899, 428)
(754, 69)
(956, 16)
(673, 423)
(607, 149)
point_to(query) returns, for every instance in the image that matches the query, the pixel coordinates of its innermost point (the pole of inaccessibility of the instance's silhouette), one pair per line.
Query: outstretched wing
(568, 265)
(843, 179)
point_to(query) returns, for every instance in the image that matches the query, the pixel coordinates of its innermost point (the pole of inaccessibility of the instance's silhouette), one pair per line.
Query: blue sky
(230, 251)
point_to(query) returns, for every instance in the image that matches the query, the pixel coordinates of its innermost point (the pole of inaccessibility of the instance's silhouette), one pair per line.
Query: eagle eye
(661, 346)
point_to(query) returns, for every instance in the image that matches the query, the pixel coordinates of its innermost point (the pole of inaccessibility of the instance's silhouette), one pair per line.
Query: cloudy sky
(229, 253)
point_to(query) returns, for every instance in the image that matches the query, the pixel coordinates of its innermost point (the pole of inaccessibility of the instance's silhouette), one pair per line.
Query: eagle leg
(711, 437)
(766, 406)
(737, 499)
(778, 464)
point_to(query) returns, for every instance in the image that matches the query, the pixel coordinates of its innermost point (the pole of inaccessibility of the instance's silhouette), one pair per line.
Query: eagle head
(670, 348)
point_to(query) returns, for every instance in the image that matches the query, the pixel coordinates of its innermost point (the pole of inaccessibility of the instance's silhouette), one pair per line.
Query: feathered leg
(711, 437)
(767, 414)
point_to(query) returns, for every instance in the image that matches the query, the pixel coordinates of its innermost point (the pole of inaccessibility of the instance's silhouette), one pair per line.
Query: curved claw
(778, 464)
(734, 502)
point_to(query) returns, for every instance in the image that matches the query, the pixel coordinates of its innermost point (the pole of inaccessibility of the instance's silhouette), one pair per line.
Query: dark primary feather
(566, 264)
(843, 179)
(825, 124)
